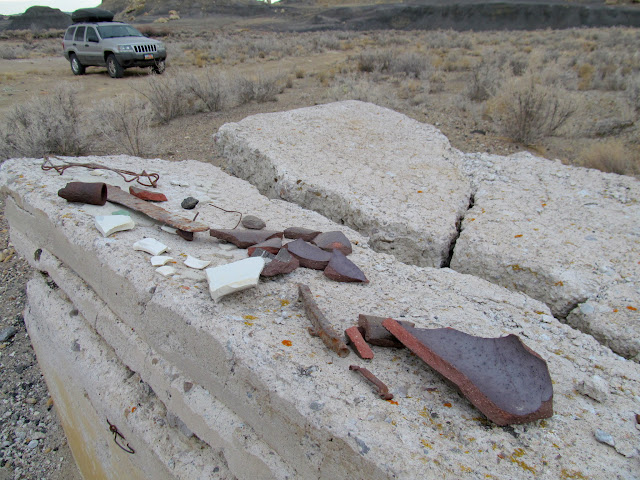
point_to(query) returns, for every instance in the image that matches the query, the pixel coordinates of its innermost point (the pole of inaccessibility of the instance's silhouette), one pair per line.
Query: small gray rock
(7, 333)
(316, 406)
(32, 444)
(604, 437)
(253, 223)
(595, 387)
(189, 203)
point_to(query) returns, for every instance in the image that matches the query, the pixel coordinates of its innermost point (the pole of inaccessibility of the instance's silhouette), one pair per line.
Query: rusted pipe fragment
(82, 192)
(376, 334)
(502, 377)
(117, 195)
(321, 326)
(362, 349)
(383, 390)
(143, 194)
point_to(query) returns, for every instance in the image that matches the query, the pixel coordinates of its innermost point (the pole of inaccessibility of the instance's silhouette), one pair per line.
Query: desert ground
(578, 92)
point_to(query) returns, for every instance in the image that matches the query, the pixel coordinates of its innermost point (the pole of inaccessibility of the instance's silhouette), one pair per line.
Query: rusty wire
(228, 211)
(128, 176)
(116, 434)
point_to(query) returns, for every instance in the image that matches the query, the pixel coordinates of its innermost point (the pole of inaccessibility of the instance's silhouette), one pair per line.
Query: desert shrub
(213, 89)
(353, 87)
(485, 80)
(609, 77)
(410, 64)
(125, 123)
(633, 93)
(169, 96)
(8, 53)
(50, 124)
(374, 61)
(610, 156)
(519, 65)
(529, 112)
(261, 89)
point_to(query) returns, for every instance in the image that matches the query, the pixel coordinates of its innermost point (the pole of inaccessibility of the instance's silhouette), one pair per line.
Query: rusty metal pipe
(82, 192)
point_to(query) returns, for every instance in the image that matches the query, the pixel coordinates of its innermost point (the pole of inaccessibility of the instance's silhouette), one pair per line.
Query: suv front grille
(144, 48)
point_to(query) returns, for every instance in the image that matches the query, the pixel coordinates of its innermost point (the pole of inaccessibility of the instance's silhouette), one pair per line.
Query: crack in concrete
(446, 263)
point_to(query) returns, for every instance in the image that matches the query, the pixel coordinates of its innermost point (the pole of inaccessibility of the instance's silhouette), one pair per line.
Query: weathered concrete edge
(246, 455)
(287, 428)
(82, 371)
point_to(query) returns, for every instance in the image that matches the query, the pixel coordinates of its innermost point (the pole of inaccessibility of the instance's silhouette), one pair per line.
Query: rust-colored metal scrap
(321, 326)
(117, 195)
(383, 390)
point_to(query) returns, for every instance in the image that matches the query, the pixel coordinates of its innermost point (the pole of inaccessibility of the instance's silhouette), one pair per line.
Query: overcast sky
(10, 7)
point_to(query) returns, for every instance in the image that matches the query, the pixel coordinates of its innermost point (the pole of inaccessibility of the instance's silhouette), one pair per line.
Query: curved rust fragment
(502, 377)
(321, 326)
(383, 390)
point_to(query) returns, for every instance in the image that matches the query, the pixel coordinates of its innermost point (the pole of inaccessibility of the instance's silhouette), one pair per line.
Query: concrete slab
(563, 235)
(84, 375)
(252, 352)
(567, 236)
(377, 171)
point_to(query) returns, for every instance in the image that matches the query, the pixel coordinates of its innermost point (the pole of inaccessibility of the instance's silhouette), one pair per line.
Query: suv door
(78, 43)
(93, 48)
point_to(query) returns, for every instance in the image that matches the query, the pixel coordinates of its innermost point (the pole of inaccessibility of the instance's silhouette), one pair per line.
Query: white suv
(115, 45)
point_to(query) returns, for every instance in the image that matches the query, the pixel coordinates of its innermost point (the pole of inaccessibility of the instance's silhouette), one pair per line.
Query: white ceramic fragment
(150, 245)
(234, 277)
(168, 229)
(193, 262)
(166, 271)
(108, 224)
(160, 260)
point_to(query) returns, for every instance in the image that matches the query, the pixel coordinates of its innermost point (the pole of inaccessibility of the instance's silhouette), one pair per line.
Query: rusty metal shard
(383, 390)
(375, 334)
(117, 195)
(321, 326)
(502, 377)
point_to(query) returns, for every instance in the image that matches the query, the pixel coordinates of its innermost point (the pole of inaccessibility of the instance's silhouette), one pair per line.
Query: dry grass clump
(46, 125)
(611, 156)
(169, 97)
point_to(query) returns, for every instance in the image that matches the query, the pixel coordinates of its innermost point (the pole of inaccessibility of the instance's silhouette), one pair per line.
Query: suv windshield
(114, 31)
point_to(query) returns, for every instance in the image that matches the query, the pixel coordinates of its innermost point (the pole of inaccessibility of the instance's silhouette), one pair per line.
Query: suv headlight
(125, 48)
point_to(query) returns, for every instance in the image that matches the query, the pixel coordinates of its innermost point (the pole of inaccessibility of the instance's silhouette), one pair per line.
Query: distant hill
(39, 18)
(127, 8)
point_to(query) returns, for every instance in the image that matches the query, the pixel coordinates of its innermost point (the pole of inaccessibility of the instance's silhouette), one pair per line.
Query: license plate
(148, 56)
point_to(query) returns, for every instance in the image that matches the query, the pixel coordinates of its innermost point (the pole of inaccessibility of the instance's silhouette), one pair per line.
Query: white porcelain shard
(193, 262)
(166, 271)
(234, 277)
(108, 224)
(160, 260)
(168, 229)
(150, 245)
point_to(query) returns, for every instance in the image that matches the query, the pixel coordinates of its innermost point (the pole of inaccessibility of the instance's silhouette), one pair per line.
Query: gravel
(32, 442)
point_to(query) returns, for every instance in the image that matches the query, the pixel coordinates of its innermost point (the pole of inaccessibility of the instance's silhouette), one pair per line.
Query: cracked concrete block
(377, 171)
(567, 236)
(252, 356)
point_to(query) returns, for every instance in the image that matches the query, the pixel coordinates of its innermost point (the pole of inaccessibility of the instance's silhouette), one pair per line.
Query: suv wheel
(159, 67)
(113, 67)
(76, 67)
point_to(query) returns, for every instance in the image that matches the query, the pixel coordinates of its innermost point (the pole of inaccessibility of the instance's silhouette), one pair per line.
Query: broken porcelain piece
(308, 255)
(502, 377)
(341, 269)
(244, 238)
(273, 245)
(168, 229)
(284, 262)
(160, 260)
(335, 240)
(147, 195)
(234, 277)
(299, 232)
(196, 263)
(108, 224)
(150, 245)
(166, 271)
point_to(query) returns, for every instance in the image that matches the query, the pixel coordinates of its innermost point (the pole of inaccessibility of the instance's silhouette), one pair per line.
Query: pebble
(189, 203)
(32, 444)
(595, 387)
(604, 437)
(7, 333)
(253, 223)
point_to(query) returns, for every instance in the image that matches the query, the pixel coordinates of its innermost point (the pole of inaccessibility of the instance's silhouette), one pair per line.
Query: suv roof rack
(91, 15)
